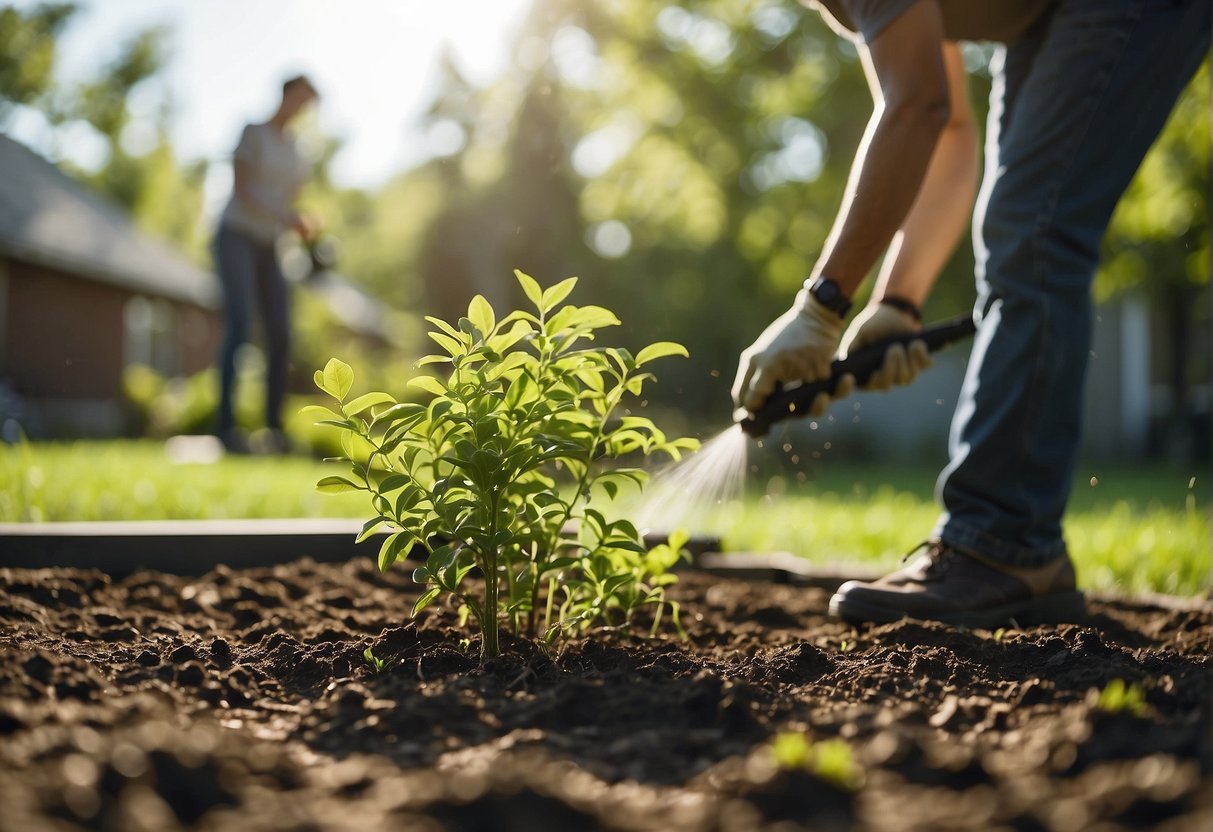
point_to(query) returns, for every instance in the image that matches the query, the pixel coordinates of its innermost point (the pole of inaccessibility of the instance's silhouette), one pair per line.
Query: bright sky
(374, 62)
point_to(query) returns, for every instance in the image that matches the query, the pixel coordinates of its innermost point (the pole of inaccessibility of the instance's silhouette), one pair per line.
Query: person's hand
(797, 347)
(901, 365)
(307, 226)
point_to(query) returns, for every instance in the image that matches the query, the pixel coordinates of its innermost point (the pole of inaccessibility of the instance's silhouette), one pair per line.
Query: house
(84, 294)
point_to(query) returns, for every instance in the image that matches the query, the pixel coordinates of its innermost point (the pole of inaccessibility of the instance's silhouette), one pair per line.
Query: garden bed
(241, 699)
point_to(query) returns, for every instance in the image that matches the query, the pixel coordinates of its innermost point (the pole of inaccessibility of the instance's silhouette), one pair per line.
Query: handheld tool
(793, 401)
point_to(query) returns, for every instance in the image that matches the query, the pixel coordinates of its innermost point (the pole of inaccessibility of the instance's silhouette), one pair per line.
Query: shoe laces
(940, 555)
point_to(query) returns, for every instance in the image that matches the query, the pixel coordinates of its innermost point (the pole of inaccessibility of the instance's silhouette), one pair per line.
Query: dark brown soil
(241, 700)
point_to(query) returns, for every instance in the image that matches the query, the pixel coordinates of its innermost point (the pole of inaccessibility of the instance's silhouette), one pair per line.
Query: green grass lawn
(1129, 529)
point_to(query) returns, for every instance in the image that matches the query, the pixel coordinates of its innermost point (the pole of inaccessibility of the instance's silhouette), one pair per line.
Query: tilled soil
(241, 700)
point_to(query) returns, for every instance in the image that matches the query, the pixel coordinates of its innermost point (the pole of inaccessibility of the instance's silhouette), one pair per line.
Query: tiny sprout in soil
(831, 760)
(376, 664)
(1117, 697)
(508, 454)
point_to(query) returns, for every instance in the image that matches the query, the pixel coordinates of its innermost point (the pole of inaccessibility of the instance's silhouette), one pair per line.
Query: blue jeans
(1074, 108)
(250, 276)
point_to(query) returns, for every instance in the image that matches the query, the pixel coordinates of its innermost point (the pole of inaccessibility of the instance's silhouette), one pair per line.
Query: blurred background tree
(138, 168)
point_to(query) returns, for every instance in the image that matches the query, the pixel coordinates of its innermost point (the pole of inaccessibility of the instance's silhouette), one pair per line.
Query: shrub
(498, 474)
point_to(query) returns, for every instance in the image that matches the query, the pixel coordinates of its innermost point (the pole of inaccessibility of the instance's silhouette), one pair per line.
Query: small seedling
(508, 454)
(999, 633)
(376, 664)
(1117, 697)
(830, 760)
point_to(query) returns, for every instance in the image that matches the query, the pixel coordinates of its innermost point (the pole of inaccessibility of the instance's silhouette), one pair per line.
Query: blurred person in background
(1080, 90)
(268, 171)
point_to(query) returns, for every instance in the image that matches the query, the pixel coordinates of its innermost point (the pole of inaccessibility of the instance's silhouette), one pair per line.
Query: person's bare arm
(912, 109)
(940, 214)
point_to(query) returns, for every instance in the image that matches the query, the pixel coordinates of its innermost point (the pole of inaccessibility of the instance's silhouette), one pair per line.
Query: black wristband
(903, 305)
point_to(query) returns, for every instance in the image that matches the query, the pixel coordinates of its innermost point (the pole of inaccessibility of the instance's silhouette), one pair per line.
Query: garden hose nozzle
(790, 402)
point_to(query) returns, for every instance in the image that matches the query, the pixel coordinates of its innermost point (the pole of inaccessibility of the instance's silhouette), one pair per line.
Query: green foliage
(1158, 239)
(472, 476)
(27, 53)
(1118, 697)
(376, 664)
(830, 760)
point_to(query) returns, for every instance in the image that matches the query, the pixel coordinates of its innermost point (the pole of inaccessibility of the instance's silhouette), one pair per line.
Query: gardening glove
(797, 347)
(877, 322)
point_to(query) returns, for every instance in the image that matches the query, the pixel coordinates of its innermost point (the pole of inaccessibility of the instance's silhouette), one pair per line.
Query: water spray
(697, 489)
(794, 401)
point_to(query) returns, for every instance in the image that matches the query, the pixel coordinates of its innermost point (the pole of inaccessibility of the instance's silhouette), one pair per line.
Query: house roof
(48, 219)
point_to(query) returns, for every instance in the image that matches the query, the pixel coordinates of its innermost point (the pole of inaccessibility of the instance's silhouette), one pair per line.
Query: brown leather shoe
(965, 589)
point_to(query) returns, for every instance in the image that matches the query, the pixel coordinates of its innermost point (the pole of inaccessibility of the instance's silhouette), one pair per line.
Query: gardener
(1081, 89)
(268, 171)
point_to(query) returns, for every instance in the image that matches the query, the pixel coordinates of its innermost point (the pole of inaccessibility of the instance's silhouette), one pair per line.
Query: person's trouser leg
(273, 297)
(1088, 101)
(235, 262)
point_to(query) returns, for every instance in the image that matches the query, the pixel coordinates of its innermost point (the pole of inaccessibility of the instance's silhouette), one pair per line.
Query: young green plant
(499, 473)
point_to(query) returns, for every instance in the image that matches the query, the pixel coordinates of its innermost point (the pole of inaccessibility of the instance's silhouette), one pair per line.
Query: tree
(162, 195)
(27, 55)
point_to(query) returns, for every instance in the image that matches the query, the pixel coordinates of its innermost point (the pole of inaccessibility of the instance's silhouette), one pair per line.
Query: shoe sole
(1058, 608)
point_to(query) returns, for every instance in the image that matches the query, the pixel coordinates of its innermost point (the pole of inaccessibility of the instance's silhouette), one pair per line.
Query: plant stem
(489, 646)
(547, 617)
(533, 615)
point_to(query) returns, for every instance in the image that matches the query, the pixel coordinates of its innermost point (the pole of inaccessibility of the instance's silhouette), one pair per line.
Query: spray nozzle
(794, 400)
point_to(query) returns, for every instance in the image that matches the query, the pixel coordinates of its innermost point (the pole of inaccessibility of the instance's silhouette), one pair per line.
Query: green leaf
(336, 485)
(553, 295)
(392, 547)
(399, 413)
(441, 558)
(426, 599)
(480, 313)
(357, 448)
(615, 583)
(317, 412)
(393, 481)
(370, 527)
(337, 379)
(558, 563)
(453, 346)
(588, 317)
(366, 401)
(660, 350)
(429, 384)
(511, 362)
(445, 327)
(530, 287)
